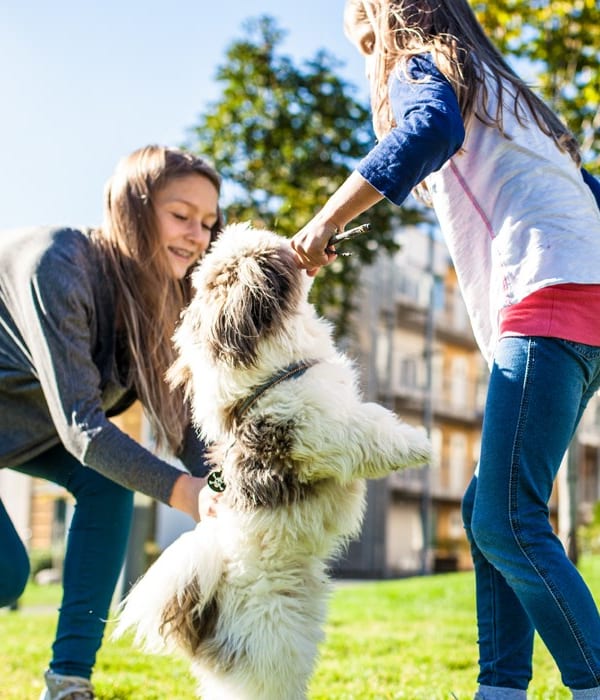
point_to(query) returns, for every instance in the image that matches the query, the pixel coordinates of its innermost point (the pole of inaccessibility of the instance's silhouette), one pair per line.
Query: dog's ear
(258, 291)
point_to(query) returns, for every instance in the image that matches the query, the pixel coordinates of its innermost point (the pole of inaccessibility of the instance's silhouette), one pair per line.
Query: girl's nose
(198, 232)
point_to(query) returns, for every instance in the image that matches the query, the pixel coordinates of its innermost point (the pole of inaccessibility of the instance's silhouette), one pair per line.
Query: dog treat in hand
(343, 236)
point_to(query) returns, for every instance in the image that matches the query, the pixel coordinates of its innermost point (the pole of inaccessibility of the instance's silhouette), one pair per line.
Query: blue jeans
(96, 547)
(538, 390)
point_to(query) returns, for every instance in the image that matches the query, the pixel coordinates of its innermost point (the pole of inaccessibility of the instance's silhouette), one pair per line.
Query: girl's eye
(180, 217)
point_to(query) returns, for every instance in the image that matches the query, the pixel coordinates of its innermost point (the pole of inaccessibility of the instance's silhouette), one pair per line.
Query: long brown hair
(399, 29)
(149, 299)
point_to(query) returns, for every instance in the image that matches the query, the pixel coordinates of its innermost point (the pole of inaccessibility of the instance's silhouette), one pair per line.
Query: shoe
(60, 687)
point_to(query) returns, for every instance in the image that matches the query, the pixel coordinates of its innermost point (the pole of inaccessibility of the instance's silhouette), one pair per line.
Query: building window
(459, 382)
(456, 463)
(409, 373)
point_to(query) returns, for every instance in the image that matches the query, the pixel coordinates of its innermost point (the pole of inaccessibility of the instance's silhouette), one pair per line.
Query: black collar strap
(294, 370)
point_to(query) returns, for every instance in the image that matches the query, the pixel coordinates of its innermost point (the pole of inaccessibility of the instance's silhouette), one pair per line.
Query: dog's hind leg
(266, 642)
(186, 576)
(189, 618)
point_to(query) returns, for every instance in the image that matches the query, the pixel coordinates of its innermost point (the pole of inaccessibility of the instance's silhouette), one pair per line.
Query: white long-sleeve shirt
(515, 212)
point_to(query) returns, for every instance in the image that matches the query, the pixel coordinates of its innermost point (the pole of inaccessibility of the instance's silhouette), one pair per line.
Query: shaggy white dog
(244, 594)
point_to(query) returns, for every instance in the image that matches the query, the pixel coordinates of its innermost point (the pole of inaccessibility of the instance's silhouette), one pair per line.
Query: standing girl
(86, 319)
(522, 223)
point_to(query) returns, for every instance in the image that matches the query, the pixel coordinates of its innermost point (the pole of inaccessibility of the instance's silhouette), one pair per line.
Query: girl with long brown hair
(522, 224)
(86, 320)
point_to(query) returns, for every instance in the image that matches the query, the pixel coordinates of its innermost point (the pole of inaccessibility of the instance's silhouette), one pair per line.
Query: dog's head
(246, 288)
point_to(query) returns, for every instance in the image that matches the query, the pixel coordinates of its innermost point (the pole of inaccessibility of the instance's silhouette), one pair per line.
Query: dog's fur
(244, 593)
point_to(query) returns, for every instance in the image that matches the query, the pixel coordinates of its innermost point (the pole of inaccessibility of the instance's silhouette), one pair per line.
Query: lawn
(413, 639)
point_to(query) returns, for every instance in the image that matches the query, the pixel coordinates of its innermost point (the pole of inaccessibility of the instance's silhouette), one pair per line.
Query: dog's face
(246, 289)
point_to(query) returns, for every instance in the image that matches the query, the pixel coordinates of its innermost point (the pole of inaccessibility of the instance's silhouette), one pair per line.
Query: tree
(284, 137)
(559, 42)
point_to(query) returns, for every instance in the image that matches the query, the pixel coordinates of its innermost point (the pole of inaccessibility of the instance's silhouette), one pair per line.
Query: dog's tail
(173, 606)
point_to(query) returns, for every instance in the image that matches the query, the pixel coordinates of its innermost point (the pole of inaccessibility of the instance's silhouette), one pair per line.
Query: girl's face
(186, 209)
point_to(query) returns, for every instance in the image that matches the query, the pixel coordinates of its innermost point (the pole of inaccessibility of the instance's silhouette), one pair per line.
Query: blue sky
(84, 82)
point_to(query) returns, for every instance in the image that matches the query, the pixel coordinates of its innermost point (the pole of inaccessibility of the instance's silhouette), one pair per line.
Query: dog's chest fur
(258, 466)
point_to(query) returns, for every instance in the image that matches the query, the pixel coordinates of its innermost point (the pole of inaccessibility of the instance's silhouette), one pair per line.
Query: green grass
(412, 639)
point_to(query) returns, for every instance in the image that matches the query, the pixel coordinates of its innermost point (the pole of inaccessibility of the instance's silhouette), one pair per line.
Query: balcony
(408, 398)
(411, 484)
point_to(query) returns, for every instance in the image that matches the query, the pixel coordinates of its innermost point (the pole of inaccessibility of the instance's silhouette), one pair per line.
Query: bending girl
(522, 224)
(86, 319)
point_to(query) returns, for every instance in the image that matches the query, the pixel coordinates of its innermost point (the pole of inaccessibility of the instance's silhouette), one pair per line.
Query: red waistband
(567, 311)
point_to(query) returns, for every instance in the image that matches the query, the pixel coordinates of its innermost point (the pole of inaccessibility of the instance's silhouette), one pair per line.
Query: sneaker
(66, 688)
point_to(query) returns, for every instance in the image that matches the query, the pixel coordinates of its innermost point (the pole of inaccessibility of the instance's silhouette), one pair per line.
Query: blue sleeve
(429, 131)
(593, 184)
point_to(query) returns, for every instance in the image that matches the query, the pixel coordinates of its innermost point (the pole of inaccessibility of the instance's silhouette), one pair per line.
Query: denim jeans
(538, 390)
(95, 551)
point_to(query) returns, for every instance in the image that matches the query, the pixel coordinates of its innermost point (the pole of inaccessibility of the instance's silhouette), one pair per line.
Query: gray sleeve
(125, 461)
(60, 320)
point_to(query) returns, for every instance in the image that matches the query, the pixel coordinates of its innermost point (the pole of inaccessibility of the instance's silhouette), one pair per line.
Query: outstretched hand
(355, 196)
(207, 502)
(310, 245)
(191, 495)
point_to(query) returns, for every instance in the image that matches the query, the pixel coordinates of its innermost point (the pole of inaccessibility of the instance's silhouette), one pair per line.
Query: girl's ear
(366, 43)
(358, 28)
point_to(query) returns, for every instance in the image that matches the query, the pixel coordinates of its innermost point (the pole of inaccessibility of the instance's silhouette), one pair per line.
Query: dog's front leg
(364, 441)
(385, 443)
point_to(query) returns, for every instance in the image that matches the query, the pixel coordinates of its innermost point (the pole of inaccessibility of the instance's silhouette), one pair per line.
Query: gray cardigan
(61, 365)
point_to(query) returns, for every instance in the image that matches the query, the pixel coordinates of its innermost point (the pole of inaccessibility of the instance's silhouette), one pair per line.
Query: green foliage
(588, 535)
(284, 137)
(40, 559)
(560, 40)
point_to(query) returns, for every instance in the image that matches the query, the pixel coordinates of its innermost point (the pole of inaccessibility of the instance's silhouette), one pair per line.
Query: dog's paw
(418, 447)
(387, 444)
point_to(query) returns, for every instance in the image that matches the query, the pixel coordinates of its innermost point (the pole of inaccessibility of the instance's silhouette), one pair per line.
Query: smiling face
(186, 209)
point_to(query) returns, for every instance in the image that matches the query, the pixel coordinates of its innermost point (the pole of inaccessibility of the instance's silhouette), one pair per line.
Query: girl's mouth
(182, 253)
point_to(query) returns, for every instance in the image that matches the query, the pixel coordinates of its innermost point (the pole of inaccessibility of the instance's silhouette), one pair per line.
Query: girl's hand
(352, 198)
(310, 245)
(208, 502)
(185, 494)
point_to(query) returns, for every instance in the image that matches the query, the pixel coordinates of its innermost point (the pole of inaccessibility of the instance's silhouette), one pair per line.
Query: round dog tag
(216, 481)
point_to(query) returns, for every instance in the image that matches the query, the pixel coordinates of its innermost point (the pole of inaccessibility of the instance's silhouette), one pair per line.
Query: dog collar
(215, 479)
(296, 369)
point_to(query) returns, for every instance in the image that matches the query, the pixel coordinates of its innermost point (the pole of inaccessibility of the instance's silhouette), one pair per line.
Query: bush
(40, 559)
(588, 535)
